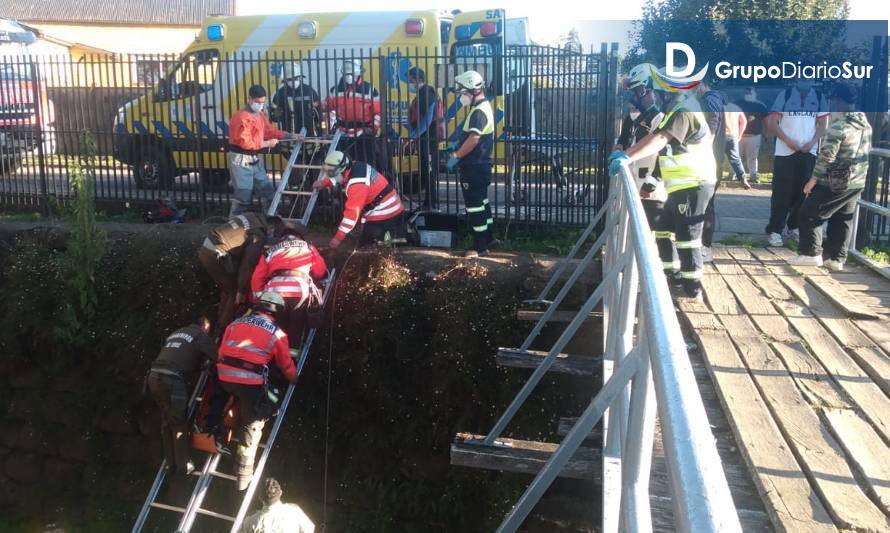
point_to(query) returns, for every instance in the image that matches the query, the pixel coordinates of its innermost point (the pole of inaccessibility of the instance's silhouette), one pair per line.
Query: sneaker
(775, 240)
(707, 255)
(833, 265)
(806, 260)
(794, 235)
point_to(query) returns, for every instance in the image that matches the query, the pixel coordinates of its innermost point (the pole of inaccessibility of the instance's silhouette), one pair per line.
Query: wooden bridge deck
(800, 363)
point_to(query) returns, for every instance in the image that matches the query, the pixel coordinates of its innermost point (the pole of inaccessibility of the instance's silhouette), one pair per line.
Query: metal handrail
(650, 362)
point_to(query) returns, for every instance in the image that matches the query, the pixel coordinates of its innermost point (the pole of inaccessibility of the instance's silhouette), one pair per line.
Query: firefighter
(229, 255)
(174, 369)
(635, 126)
(353, 107)
(370, 199)
(250, 344)
(250, 132)
(688, 171)
(472, 155)
(290, 267)
(295, 104)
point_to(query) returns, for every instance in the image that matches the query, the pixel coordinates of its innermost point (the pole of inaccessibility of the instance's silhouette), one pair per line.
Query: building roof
(127, 12)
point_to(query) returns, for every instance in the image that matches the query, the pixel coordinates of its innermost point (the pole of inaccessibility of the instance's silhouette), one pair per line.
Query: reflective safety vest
(249, 344)
(694, 167)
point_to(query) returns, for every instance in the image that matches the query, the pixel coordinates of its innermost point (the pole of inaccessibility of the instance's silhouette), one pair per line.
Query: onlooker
(426, 128)
(713, 105)
(798, 118)
(735, 125)
(275, 516)
(836, 185)
(755, 113)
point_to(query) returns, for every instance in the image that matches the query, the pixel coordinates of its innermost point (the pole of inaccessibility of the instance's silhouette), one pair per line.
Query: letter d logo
(670, 51)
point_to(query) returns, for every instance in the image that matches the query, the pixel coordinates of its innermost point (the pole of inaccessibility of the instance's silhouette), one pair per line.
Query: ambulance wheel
(153, 169)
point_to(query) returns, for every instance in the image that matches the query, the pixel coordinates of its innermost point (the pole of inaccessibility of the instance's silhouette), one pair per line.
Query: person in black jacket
(175, 367)
(423, 127)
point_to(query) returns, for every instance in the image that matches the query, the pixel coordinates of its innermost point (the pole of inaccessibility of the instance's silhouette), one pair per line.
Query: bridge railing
(647, 371)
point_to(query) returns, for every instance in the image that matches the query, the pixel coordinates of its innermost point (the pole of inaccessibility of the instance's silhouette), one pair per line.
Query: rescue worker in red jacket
(229, 255)
(353, 107)
(370, 199)
(250, 132)
(290, 268)
(250, 344)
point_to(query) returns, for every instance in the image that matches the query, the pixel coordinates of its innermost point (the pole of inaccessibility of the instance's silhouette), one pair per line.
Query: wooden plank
(521, 456)
(810, 376)
(575, 365)
(761, 276)
(869, 456)
(790, 501)
(818, 453)
(558, 316)
(846, 373)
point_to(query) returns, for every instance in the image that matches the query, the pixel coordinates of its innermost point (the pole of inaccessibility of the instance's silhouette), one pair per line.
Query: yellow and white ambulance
(182, 125)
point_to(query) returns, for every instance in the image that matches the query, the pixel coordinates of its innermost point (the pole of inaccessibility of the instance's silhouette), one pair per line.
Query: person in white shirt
(275, 516)
(798, 119)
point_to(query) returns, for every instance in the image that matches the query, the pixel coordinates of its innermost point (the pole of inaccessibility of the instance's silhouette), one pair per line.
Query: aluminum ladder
(208, 471)
(302, 199)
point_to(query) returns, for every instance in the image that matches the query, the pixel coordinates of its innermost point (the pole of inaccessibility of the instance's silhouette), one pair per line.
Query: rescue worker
(250, 344)
(426, 127)
(639, 123)
(229, 255)
(275, 516)
(250, 132)
(295, 104)
(353, 107)
(472, 155)
(370, 199)
(172, 372)
(290, 268)
(688, 171)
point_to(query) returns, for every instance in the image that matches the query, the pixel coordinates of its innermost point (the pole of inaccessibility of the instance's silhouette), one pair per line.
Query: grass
(880, 254)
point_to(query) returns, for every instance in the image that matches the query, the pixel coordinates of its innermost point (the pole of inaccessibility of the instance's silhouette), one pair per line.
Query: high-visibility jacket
(369, 198)
(248, 130)
(249, 344)
(694, 164)
(288, 268)
(353, 107)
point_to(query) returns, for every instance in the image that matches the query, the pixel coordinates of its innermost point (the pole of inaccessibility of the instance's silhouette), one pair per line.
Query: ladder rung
(288, 192)
(215, 514)
(166, 507)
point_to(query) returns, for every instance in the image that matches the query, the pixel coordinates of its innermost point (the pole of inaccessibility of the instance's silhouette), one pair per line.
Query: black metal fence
(160, 123)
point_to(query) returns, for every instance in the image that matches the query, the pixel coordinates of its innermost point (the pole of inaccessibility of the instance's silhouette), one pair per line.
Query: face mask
(465, 99)
(349, 78)
(257, 107)
(750, 97)
(634, 115)
(412, 88)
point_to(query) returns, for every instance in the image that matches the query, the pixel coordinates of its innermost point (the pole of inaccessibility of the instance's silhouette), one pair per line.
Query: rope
(327, 415)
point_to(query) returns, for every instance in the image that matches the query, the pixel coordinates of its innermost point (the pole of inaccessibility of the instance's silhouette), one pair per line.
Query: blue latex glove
(452, 162)
(616, 158)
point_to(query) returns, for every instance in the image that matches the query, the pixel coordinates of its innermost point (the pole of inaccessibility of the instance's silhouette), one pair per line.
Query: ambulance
(181, 126)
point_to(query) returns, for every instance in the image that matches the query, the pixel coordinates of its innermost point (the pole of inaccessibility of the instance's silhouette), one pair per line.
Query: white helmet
(293, 70)
(353, 66)
(337, 161)
(468, 81)
(640, 76)
(270, 302)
